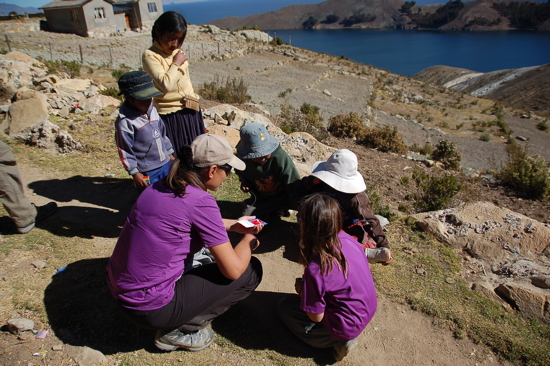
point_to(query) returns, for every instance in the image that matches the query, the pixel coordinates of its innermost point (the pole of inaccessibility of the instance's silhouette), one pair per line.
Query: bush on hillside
(277, 41)
(447, 153)
(528, 176)
(332, 18)
(70, 69)
(385, 139)
(112, 92)
(435, 192)
(347, 125)
(305, 119)
(230, 90)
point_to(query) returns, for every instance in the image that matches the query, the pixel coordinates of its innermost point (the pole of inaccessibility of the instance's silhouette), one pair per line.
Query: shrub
(277, 41)
(230, 90)
(63, 68)
(435, 192)
(485, 138)
(447, 153)
(305, 119)
(347, 125)
(284, 93)
(117, 73)
(376, 206)
(528, 176)
(112, 92)
(543, 126)
(385, 139)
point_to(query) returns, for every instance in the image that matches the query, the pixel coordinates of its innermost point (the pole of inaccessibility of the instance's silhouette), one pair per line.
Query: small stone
(17, 325)
(39, 264)
(326, 92)
(110, 175)
(449, 280)
(57, 347)
(375, 329)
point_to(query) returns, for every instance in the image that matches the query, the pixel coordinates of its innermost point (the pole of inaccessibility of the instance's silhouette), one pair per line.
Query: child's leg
(304, 328)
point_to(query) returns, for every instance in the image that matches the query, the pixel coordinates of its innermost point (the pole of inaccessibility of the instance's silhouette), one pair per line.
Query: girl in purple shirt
(337, 298)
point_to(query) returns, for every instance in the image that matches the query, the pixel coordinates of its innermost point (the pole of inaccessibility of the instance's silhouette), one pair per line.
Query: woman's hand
(238, 228)
(180, 58)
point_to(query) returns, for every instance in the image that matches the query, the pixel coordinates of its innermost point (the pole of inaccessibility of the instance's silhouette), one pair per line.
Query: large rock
(531, 301)
(85, 356)
(19, 69)
(25, 113)
(96, 103)
(46, 135)
(235, 117)
(73, 85)
(229, 133)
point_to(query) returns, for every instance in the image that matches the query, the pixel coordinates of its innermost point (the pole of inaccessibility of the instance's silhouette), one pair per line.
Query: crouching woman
(151, 274)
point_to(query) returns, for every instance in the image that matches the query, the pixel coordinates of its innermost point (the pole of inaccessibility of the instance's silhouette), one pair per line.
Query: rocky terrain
(504, 239)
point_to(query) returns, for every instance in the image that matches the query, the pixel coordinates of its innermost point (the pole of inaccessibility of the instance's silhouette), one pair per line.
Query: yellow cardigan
(169, 78)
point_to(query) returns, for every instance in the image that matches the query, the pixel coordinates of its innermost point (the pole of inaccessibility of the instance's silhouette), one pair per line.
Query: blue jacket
(141, 140)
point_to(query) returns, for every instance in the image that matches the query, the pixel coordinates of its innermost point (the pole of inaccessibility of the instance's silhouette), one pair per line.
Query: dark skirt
(182, 127)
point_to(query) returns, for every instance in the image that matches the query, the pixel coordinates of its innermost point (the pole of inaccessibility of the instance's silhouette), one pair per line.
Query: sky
(38, 3)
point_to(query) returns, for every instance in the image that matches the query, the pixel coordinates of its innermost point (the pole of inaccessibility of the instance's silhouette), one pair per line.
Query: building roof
(77, 3)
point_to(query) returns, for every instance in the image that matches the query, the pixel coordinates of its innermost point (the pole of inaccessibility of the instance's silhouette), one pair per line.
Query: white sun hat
(340, 172)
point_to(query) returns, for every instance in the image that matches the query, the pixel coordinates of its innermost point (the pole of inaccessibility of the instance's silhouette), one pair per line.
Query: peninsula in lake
(453, 15)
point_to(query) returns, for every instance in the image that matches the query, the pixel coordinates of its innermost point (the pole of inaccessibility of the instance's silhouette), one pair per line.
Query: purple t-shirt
(348, 303)
(160, 236)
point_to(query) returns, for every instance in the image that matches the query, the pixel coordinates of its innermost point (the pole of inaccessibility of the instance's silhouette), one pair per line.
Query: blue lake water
(399, 51)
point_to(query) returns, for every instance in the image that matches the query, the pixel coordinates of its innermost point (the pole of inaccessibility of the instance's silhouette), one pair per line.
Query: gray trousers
(302, 326)
(12, 196)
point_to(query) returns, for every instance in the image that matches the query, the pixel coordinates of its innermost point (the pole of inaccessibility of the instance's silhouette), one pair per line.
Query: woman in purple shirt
(337, 298)
(151, 272)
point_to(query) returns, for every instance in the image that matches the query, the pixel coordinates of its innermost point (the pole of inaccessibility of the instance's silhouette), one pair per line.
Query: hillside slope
(526, 88)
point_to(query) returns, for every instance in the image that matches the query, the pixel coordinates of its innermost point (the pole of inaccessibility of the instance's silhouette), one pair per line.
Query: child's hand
(180, 58)
(139, 181)
(299, 286)
(244, 188)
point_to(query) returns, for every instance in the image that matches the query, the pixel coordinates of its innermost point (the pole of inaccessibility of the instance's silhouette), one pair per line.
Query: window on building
(74, 15)
(152, 7)
(99, 13)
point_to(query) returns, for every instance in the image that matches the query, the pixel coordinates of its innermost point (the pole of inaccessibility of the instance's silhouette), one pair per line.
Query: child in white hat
(339, 177)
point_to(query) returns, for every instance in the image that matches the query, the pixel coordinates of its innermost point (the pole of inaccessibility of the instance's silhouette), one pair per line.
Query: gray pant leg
(302, 326)
(12, 196)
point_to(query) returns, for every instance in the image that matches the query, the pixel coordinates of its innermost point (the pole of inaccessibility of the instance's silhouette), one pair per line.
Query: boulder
(85, 356)
(25, 113)
(73, 85)
(231, 134)
(532, 302)
(97, 103)
(46, 135)
(488, 290)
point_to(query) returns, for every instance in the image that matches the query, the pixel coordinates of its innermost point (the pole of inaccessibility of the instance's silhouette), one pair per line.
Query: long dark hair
(320, 222)
(183, 173)
(169, 22)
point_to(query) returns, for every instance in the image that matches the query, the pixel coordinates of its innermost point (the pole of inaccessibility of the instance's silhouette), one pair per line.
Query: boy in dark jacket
(140, 136)
(270, 175)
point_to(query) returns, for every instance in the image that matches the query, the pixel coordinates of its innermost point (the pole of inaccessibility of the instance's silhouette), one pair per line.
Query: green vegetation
(304, 119)
(118, 73)
(309, 23)
(385, 139)
(347, 125)
(230, 90)
(112, 92)
(332, 18)
(543, 125)
(435, 192)
(528, 176)
(283, 94)
(485, 138)
(277, 41)
(524, 14)
(63, 68)
(443, 15)
(358, 18)
(447, 153)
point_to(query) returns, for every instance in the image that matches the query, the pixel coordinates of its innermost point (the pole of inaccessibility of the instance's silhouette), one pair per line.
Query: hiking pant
(314, 334)
(20, 209)
(200, 295)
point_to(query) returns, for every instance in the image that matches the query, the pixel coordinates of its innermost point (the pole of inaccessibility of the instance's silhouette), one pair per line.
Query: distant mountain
(6, 9)
(527, 88)
(452, 15)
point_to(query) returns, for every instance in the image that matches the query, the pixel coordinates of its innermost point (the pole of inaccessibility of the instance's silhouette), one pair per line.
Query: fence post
(290, 40)
(230, 48)
(81, 56)
(51, 53)
(218, 48)
(189, 52)
(8, 42)
(202, 45)
(111, 55)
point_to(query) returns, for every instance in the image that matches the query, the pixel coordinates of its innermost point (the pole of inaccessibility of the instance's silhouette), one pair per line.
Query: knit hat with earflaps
(340, 172)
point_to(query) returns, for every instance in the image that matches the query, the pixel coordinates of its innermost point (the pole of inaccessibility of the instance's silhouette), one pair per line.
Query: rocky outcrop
(510, 253)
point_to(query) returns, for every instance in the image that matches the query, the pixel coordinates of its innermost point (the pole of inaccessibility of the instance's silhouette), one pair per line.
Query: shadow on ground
(81, 312)
(100, 205)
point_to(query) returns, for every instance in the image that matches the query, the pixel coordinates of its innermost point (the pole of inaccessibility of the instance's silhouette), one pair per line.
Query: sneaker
(342, 350)
(378, 255)
(169, 341)
(41, 213)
